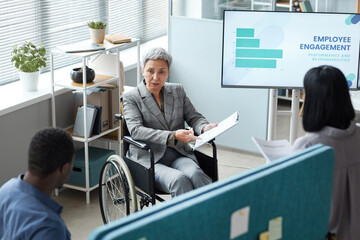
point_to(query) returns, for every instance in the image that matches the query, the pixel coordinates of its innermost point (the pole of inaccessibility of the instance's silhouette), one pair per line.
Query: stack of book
(117, 38)
(79, 121)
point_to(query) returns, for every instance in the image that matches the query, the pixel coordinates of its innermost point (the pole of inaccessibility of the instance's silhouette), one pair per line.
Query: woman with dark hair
(329, 100)
(328, 118)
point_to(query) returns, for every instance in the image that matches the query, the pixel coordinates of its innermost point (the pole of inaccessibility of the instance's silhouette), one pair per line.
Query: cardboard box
(114, 135)
(113, 106)
(97, 158)
(100, 97)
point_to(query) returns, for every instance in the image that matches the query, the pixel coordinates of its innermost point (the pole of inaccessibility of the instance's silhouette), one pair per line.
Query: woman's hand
(210, 126)
(185, 135)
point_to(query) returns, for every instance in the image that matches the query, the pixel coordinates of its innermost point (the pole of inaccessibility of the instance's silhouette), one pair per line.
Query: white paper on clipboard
(224, 125)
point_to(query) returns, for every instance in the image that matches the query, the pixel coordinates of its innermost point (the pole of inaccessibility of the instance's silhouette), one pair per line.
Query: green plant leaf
(28, 57)
(96, 25)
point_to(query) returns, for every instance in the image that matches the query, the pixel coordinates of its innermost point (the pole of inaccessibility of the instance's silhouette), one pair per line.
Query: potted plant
(28, 59)
(97, 31)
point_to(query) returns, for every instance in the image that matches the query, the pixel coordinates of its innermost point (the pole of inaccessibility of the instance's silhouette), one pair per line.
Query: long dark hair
(327, 99)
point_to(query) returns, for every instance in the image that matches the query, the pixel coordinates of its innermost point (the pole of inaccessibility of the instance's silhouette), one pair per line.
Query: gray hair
(156, 54)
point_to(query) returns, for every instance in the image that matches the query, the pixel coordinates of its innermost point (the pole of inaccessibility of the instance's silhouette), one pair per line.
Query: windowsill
(13, 98)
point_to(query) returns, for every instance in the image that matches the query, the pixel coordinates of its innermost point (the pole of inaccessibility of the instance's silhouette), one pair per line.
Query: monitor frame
(285, 86)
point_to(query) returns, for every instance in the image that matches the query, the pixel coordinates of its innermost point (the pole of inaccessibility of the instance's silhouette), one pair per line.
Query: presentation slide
(276, 49)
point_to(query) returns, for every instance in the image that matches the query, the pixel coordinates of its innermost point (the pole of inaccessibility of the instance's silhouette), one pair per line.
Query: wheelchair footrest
(145, 200)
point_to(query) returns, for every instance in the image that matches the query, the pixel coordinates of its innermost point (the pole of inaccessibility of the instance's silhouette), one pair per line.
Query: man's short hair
(50, 149)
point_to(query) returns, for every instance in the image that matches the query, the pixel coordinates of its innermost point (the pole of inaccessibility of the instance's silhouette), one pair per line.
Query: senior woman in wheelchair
(155, 113)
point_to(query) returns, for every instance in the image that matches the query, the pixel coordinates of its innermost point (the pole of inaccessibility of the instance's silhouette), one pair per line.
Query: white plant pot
(29, 80)
(97, 35)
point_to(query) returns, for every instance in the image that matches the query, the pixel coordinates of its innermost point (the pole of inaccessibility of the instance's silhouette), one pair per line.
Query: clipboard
(224, 125)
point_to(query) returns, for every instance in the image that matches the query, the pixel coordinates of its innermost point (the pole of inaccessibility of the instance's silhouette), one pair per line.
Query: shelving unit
(288, 95)
(267, 5)
(271, 4)
(284, 4)
(98, 81)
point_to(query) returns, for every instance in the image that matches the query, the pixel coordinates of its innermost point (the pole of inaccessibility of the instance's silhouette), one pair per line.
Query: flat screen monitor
(275, 49)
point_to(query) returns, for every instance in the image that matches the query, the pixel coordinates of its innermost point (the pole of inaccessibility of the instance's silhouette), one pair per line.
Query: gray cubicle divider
(196, 47)
(294, 192)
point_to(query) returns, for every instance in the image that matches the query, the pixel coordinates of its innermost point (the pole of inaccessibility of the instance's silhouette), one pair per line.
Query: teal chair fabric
(296, 188)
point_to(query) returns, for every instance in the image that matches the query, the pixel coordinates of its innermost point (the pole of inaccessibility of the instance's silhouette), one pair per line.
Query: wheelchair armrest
(119, 116)
(144, 146)
(138, 144)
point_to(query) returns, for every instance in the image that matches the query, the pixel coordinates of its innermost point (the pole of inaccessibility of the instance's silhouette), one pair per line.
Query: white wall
(193, 8)
(196, 47)
(18, 127)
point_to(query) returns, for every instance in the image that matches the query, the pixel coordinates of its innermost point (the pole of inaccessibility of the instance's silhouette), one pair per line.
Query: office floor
(82, 218)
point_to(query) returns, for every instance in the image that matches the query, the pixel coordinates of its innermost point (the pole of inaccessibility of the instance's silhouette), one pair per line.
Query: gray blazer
(345, 201)
(146, 122)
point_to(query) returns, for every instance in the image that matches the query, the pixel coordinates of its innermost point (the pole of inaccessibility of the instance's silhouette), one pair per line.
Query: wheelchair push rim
(117, 194)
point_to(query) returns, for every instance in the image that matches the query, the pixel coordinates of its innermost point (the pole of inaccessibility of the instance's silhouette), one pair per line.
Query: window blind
(53, 23)
(142, 19)
(16, 24)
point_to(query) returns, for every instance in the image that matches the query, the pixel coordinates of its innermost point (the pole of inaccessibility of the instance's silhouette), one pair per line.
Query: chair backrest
(125, 132)
(143, 177)
(209, 164)
(296, 188)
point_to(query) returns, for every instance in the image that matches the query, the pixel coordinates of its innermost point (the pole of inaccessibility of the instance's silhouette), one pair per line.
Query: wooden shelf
(285, 4)
(98, 81)
(92, 137)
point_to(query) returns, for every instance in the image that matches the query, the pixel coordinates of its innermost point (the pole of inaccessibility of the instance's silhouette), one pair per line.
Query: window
(54, 22)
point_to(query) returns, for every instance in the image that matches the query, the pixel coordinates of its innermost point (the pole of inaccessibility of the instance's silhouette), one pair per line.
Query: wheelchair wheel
(117, 194)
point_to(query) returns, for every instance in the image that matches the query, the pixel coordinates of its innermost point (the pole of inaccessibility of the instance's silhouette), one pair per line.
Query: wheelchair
(122, 179)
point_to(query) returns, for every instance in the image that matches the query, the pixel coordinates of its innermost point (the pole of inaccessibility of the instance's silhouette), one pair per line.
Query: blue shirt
(28, 213)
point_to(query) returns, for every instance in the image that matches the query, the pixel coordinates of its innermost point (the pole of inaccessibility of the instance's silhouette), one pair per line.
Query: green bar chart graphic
(255, 43)
(255, 63)
(248, 53)
(245, 32)
(259, 53)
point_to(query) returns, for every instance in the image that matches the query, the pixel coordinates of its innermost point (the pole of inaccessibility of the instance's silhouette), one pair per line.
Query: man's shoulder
(20, 200)
(34, 224)
(37, 220)
(9, 186)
